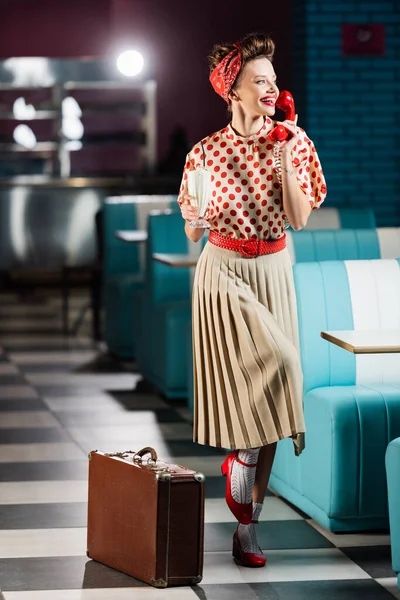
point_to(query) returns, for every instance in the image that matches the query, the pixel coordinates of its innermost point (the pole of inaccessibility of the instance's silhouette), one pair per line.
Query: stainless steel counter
(46, 223)
(139, 184)
(74, 182)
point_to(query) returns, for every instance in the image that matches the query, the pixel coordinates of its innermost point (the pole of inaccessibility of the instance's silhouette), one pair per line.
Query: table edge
(356, 349)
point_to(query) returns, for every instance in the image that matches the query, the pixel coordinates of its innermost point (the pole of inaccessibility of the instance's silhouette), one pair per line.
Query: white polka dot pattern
(246, 201)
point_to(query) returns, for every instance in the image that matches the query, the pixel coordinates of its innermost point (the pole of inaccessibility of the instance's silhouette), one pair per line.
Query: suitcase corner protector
(200, 477)
(90, 454)
(159, 583)
(163, 477)
(197, 579)
(88, 553)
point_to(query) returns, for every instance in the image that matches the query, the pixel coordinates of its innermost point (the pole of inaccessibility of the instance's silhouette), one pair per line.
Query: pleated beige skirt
(248, 383)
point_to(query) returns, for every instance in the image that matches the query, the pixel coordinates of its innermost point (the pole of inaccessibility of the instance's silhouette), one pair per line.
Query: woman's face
(256, 90)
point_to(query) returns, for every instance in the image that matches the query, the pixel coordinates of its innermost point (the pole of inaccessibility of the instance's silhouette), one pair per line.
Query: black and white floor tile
(62, 397)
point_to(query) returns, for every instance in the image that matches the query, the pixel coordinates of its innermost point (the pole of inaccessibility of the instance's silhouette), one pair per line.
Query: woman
(247, 372)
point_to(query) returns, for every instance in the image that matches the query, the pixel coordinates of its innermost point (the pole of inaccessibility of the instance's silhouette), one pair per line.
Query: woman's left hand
(291, 126)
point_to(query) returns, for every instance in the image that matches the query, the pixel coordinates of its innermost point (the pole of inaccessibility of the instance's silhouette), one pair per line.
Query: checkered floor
(60, 398)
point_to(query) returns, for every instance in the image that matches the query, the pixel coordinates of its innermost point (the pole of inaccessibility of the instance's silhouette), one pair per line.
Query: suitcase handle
(147, 450)
(137, 456)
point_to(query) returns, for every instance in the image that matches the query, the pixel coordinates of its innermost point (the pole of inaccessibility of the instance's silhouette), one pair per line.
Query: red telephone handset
(286, 103)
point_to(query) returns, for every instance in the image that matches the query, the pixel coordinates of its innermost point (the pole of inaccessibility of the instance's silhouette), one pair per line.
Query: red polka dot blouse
(246, 200)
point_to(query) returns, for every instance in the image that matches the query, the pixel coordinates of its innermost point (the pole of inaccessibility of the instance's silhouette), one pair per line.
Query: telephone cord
(277, 161)
(278, 171)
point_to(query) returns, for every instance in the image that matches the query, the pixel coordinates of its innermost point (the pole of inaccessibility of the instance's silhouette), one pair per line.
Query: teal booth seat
(124, 266)
(122, 277)
(340, 244)
(341, 218)
(343, 244)
(393, 482)
(165, 306)
(351, 402)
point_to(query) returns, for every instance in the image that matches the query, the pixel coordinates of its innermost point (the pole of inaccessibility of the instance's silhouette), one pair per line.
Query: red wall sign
(364, 39)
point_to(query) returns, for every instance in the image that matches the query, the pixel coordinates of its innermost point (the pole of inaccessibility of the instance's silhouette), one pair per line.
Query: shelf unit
(56, 150)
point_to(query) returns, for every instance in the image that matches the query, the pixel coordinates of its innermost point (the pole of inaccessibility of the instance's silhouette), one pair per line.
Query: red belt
(248, 248)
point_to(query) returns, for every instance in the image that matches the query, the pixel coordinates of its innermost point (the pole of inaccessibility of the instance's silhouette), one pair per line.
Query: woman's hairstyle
(253, 45)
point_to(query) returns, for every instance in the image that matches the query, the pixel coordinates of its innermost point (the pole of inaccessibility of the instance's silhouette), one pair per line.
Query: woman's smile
(269, 100)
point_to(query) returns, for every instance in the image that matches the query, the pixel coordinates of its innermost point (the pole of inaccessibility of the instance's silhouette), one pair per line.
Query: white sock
(247, 533)
(242, 479)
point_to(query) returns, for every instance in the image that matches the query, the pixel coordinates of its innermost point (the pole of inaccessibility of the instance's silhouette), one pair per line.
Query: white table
(132, 236)
(175, 260)
(370, 341)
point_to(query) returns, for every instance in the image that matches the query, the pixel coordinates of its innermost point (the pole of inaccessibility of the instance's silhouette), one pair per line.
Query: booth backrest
(164, 283)
(393, 480)
(343, 244)
(128, 213)
(120, 258)
(144, 204)
(345, 295)
(341, 218)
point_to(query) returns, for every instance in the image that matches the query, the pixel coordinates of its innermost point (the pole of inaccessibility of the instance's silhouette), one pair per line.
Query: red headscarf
(224, 75)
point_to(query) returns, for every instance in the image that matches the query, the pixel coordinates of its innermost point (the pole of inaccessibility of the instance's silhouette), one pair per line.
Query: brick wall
(350, 106)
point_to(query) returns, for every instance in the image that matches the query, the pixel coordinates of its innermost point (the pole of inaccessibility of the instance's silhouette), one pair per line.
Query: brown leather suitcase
(146, 517)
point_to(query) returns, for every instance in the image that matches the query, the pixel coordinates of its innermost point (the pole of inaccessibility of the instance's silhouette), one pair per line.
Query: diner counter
(139, 184)
(48, 222)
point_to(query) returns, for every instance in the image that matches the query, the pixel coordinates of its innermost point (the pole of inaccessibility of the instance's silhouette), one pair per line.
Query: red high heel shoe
(248, 559)
(242, 512)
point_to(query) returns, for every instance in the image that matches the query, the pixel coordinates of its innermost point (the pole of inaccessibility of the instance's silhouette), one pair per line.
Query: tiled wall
(350, 106)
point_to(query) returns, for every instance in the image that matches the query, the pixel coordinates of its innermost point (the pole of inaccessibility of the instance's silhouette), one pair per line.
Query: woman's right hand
(189, 212)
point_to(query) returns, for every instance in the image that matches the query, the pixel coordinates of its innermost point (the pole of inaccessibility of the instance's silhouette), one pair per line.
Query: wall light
(130, 63)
